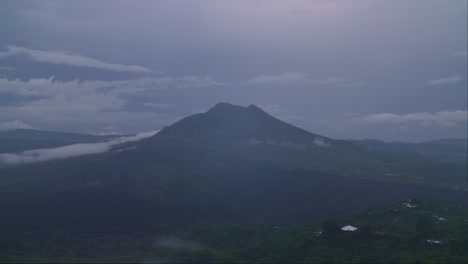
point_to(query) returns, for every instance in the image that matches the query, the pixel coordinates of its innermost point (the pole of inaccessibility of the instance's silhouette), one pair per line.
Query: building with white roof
(349, 228)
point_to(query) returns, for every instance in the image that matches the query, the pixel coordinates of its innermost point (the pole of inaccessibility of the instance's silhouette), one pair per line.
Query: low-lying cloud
(442, 118)
(40, 155)
(176, 243)
(461, 54)
(69, 58)
(15, 124)
(321, 142)
(452, 79)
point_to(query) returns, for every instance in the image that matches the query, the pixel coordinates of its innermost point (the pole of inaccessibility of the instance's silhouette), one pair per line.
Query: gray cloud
(443, 118)
(287, 77)
(462, 54)
(452, 79)
(158, 105)
(338, 82)
(291, 53)
(69, 58)
(7, 69)
(281, 112)
(321, 142)
(85, 103)
(40, 155)
(15, 124)
(299, 77)
(51, 87)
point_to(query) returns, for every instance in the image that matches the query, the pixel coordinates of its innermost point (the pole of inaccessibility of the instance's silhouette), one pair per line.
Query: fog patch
(39, 155)
(15, 124)
(251, 142)
(125, 149)
(321, 142)
(176, 243)
(284, 144)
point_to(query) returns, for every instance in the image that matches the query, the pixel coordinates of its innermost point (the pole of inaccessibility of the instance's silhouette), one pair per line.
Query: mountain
(230, 165)
(248, 133)
(229, 132)
(24, 139)
(232, 125)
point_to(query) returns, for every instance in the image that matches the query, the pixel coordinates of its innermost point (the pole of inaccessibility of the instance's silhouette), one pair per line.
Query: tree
(330, 227)
(424, 226)
(365, 230)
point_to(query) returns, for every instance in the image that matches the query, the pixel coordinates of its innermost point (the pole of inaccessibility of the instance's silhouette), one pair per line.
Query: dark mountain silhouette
(231, 125)
(227, 124)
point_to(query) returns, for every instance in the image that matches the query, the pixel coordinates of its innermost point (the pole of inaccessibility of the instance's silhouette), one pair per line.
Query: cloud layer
(301, 78)
(49, 102)
(40, 155)
(69, 58)
(315, 59)
(449, 80)
(462, 54)
(442, 118)
(15, 124)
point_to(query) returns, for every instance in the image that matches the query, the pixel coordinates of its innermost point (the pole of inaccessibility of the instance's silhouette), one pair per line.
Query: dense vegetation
(400, 233)
(431, 232)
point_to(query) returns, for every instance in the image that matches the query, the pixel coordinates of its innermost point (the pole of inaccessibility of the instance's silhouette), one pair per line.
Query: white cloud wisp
(449, 80)
(70, 58)
(461, 54)
(15, 124)
(442, 118)
(299, 77)
(74, 150)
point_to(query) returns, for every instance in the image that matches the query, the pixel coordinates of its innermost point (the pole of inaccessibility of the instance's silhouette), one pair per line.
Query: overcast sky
(390, 70)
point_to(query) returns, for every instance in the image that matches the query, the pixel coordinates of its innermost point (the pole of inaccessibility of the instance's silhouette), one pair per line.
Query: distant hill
(25, 139)
(453, 147)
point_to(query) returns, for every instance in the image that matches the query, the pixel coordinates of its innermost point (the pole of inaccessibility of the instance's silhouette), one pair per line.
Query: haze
(390, 70)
